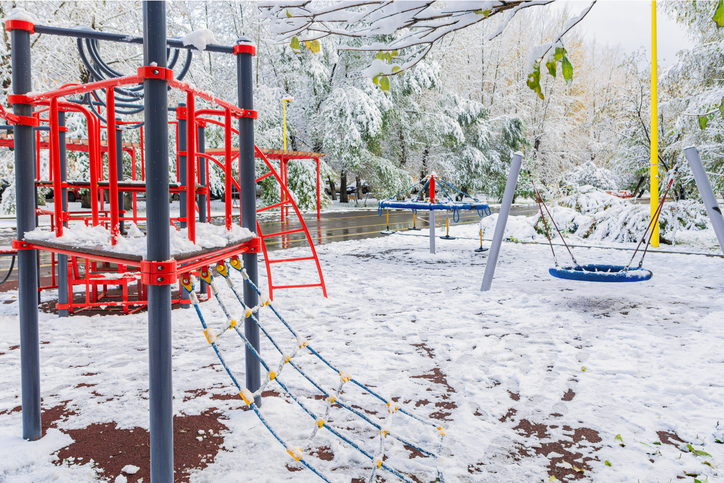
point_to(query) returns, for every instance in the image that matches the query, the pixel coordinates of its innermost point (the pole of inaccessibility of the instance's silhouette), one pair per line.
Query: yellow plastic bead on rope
(295, 453)
(344, 376)
(247, 396)
(320, 422)
(248, 313)
(210, 335)
(272, 375)
(392, 407)
(377, 461)
(385, 431)
(232, 324)
(331, 399)
(287, 359)
(221, 268)
(442, 431)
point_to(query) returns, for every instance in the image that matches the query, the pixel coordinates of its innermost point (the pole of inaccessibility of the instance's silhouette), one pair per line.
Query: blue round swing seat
(601, 273)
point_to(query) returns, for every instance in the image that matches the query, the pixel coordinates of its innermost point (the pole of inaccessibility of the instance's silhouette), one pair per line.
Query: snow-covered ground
(537, 376)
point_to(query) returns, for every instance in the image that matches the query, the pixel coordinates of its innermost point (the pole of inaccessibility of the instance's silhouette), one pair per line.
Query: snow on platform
(536, 377)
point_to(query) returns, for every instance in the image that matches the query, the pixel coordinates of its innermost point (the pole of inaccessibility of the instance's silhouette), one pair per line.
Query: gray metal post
(63, 259)
(201, 148)
(182, 165)
(707, 194)
(247, 197)
(432, 231)
(119, 172)
(27, 259)
(157, 240)
(502, 221)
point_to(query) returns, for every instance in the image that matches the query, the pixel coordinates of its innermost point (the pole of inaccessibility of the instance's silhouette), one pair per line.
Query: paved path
(334, 226)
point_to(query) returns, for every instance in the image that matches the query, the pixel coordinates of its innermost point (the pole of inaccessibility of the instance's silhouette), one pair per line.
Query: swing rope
(540, 198)
(654, 221)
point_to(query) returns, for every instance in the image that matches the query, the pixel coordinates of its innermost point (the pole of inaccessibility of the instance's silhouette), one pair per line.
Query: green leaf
(697, 452)
(395, 69)
(719, 15)
(607, 463)
(708, 464)
(376, 79)
(559, 53)
(288, 14)
(385, 83)
(703, 121)
(583, 369)
(721, 107)
(657, 443)
(567, 69)
(534, 80)
(295, 43)
(394, 53)
(551, 64)
(620, 440)
(314, 46)
(379, 55)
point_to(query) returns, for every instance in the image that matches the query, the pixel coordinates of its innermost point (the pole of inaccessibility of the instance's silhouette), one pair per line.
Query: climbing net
(333, 398)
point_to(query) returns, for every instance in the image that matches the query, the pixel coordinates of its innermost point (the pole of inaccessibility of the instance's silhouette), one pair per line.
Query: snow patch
(199, 39)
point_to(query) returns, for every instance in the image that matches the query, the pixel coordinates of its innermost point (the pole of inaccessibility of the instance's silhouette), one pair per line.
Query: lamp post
(284, 122)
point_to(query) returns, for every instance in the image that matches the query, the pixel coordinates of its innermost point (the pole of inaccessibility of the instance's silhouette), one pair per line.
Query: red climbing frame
(131, 268)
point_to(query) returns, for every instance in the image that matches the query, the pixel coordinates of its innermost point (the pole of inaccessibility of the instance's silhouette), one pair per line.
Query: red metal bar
(266, 261)
(303, 286)
(319, 213)
(261, 155)
(55, 168)
(190, 168)
(219, 123)
(133, 177)
(227, 169)
(208, 196)
(206, 96)
(287, 232)
(264, 176)
(83, 88)
(271, 207)
(112, 163)
(143, 163)
(283, 260)
(432, 189)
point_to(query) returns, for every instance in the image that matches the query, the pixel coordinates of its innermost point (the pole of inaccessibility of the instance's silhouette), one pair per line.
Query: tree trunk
(332, 190)
(423, 170)
(358, 190)
(85, 199)
(343, 198)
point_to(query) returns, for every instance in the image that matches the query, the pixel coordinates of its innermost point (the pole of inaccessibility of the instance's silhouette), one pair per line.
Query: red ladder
(286, 200)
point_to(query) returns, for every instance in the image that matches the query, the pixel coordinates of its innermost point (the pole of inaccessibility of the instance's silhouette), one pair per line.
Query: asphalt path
(355, 224)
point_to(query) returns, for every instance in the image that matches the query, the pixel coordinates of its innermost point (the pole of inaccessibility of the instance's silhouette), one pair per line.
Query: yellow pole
(284, 122)
(654, 130)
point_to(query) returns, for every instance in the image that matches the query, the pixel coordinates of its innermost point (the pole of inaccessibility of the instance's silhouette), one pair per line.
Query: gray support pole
(247, 197)
(157, 240)
(182, 165)
(707, 194)
(502, 221)
(201, 148)
(432, 231)
(63, 259)
(119, 173)
(27, 259)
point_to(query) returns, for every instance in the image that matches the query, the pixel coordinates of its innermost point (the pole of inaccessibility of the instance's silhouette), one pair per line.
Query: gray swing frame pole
(707, 194)
(432, 231)
(63, 259)
(158, 246)
(502, 221)
(247, 198)
(27, 259)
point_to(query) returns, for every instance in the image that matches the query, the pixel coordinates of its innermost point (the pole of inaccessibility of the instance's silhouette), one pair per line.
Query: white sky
(628, 23)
